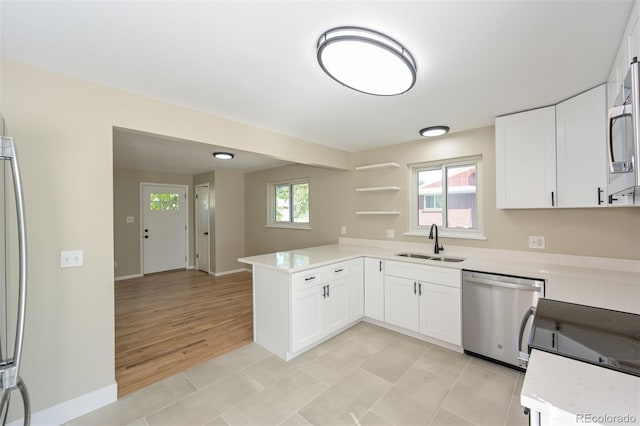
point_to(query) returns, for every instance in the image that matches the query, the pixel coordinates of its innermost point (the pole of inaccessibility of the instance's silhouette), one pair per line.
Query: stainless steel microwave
(623, 137)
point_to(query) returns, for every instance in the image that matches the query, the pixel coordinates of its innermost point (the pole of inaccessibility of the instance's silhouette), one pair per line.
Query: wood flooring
(170, 321)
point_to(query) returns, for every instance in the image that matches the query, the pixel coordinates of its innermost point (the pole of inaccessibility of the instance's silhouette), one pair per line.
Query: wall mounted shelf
(377, 166)
(378, 188)
(379, 212)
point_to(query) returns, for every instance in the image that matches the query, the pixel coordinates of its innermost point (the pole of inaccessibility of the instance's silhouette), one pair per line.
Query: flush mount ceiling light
(434, 131)
(367, 61)
(223, 155)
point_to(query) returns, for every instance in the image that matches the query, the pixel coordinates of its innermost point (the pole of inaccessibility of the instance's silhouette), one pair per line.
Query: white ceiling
(255, 62)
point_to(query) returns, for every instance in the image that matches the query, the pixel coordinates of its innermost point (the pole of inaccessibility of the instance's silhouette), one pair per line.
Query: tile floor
(365, 376)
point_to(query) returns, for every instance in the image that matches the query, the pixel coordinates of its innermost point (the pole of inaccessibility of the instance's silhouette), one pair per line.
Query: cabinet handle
(381, 266)
(611, 199)
(414, 288)
(310, 278)
(419, 289)
(338, 270)
(324, 291)
(327, 290)
(553, 202)
(599, 196)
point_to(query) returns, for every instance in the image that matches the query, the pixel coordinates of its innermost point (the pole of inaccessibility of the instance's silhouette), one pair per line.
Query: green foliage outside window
(164, 202)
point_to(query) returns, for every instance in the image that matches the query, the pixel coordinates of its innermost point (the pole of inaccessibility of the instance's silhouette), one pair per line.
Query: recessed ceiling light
(434, 131)
(367, 61)
(223, 155)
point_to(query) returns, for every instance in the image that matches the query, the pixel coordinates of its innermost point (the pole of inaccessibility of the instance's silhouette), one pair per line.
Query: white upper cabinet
(554, 156)
(526, 159)
(581, 150)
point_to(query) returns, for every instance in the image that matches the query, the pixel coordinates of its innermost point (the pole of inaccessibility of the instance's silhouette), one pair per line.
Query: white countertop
(573, 392)
(601, 282)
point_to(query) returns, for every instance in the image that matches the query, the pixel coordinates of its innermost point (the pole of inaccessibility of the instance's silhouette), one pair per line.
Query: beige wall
(605, 232)
(229, 220)
(63, 130)
(330, 206)
(126, 202)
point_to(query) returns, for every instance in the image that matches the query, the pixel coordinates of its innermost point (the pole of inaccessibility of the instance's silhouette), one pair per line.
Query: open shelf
(378, 188)
(377, 166)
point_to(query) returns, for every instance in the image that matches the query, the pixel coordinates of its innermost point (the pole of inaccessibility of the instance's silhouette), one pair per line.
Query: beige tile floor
(365, 376)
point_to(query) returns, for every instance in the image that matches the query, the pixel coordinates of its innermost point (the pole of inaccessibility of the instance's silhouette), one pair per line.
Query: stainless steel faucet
(437, 248)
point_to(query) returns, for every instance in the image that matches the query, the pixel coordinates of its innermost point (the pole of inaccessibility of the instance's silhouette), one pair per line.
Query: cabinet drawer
(310, 278)
(425, 273)
(339, 270)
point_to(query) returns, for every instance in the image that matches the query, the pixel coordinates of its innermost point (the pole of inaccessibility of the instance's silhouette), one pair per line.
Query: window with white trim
(446, 193)
(288, 204)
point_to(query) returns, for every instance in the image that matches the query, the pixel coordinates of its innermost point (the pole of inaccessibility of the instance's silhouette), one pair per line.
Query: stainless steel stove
(603, 337)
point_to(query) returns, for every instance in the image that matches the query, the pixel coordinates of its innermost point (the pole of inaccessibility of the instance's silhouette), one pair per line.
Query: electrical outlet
(536, 242)
(343, 230)
(71, 259)
(130, 219)
(391, 233)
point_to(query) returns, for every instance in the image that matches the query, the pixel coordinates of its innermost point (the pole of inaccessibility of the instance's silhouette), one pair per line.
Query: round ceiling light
(434, 131)
(367, 61)
(223, 155)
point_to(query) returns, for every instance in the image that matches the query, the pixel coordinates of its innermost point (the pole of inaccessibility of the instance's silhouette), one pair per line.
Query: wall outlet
(343, 230)
(130, 219)
(536, 242)
(391, 233)
(71, 259)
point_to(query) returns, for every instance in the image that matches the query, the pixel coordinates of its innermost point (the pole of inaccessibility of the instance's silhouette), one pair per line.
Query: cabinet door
(335, 309)
(401, 302)
(440, 312)
(526, 159)
(581, 149)
(306, 317)
(356, 290)
(374, 288)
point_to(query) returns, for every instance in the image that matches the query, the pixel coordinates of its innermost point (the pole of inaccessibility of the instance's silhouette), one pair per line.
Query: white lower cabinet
(401, 303)
(374, 288)
(324, 300)
(424, 299)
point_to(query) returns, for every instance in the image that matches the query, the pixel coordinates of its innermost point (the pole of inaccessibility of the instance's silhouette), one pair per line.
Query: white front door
(202, 227)
(164, 227)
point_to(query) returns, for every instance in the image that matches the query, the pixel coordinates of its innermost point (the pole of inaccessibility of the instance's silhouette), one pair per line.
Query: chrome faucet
(437, 248)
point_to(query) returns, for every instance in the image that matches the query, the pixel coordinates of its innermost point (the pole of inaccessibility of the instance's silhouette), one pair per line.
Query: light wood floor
(170, 321)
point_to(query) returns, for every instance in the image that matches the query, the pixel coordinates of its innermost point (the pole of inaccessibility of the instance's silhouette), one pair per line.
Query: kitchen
(33, 94)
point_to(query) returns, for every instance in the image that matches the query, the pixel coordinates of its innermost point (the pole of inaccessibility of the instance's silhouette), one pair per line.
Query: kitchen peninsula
(304, 297)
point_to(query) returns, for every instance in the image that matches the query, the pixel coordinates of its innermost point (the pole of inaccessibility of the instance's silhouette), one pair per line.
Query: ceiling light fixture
(367, 61)
(223, 155)
(434, 131)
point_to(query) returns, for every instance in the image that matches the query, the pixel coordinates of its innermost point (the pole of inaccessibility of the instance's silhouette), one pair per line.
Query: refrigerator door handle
(524, 356)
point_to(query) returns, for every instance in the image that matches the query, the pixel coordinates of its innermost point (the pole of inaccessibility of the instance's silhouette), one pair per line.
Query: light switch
(71, 258)
(130, 219)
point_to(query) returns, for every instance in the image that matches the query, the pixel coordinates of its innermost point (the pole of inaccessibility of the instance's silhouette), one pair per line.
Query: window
(288, 204)
(164, 202)
(446, 193)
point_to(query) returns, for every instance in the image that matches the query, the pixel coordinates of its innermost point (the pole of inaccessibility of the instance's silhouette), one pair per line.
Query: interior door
(164, 227)
(202, 227)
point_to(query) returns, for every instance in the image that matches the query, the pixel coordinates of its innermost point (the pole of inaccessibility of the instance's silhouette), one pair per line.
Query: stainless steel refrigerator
(13, 288)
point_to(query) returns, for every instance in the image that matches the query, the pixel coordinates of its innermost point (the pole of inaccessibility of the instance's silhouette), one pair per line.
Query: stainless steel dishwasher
(493, 306)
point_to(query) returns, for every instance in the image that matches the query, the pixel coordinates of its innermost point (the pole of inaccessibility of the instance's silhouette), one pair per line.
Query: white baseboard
(73, 408)
(127, 277)
(233, 271)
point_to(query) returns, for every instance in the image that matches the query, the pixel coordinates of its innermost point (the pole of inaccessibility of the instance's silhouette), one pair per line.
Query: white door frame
(186, 217)
(197, 226)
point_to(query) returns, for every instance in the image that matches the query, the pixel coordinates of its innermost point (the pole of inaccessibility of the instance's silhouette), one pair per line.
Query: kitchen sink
(414, 255)
(446, 259)
(429, 257)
